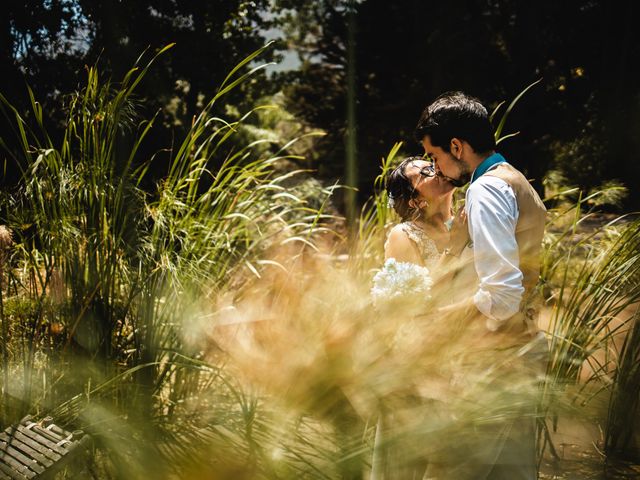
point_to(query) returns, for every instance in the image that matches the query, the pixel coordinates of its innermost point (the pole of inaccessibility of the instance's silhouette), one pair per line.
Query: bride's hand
(459, 234)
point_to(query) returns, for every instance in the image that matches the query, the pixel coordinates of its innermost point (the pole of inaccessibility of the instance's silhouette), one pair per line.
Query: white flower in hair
(390, 201)
(401, 284)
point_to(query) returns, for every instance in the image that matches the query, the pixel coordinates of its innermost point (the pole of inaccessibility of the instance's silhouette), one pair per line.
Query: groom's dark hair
(456, 115)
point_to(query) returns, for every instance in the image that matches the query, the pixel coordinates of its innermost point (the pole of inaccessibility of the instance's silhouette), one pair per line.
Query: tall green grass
(590, 280)
(110, 285)
(621, 425)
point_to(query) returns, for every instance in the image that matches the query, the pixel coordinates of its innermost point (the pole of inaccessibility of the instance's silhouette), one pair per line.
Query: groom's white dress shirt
(492, 213)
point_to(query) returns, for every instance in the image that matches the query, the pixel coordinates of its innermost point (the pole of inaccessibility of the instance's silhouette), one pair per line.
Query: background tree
(46, 44)
(580, 120)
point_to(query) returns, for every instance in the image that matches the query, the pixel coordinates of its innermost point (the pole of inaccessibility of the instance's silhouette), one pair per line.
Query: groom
(506, 221)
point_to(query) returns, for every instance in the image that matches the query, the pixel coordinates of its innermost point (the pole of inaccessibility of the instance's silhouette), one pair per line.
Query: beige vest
(529, 232)
(530, 226)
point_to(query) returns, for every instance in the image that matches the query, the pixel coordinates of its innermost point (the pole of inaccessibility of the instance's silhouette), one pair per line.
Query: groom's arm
(492, 212)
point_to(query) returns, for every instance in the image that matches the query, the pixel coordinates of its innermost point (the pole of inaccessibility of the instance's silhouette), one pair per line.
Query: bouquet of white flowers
(401, 285)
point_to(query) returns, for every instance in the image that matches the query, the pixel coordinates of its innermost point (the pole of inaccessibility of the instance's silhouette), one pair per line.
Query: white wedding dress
(426, 246)
(386, 463)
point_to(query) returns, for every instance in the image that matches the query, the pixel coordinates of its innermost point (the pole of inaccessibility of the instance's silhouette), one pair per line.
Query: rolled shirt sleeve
(492, 212)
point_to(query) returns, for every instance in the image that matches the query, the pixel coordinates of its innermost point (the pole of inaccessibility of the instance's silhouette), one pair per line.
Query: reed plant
(116, 280)
(590, 283)
(621, 425)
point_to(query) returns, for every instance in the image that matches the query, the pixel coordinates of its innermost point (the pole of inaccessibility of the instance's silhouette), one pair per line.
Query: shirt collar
(486, 164)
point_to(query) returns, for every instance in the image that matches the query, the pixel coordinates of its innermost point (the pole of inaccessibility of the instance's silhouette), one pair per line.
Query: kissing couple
(485, 265)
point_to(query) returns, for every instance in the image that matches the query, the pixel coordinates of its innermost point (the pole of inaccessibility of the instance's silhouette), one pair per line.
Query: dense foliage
(580, 120)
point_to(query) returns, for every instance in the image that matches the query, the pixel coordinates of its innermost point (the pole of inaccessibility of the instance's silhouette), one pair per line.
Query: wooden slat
(31, 450)
(25, 460)
(26, 420)
(27, 450)
(57, 430)
(13, 474)
(16, 465)
(18, 436)
(43, 441)
(45, 433)
(47, 425)
(77, 448)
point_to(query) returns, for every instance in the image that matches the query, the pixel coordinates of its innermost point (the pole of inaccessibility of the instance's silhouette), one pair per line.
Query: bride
(428, 236)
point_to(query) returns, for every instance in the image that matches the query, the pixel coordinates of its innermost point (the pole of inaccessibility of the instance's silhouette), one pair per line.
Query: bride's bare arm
(400, 247)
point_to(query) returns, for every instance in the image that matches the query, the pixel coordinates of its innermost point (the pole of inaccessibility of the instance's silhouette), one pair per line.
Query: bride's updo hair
(400, 190)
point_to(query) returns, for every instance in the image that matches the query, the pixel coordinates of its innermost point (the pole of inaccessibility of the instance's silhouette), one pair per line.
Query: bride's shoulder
(399, 232)
(398, 227)
(397, 238)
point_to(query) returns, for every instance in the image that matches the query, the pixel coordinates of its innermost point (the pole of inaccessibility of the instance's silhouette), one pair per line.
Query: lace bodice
(426, 246)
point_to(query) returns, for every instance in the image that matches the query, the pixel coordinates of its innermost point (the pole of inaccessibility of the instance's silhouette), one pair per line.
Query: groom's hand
(459, 234)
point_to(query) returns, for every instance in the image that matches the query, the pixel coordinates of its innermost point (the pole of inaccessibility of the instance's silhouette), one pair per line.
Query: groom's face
(447, 165)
